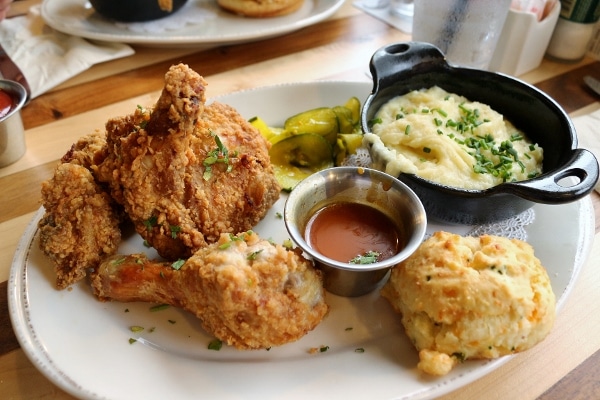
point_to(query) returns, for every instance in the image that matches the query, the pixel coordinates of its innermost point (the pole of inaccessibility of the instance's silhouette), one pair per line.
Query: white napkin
(47, 57)
(588, 133)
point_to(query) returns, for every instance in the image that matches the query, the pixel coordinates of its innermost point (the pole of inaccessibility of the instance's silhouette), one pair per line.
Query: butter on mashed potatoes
(445, 138)
(471, 298)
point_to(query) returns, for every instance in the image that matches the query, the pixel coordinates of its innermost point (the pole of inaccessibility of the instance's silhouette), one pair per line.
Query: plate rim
(149, 39)
(17, 295)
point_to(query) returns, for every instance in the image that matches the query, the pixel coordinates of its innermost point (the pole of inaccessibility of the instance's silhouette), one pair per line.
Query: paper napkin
(588, 133)
(47, 57)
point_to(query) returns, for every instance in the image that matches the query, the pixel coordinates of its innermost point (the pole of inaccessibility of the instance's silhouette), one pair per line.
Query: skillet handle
(582, 166)
(390, 62)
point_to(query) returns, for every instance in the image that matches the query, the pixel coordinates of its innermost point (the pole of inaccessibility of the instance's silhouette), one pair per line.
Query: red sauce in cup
(6, 103)
(343, 231)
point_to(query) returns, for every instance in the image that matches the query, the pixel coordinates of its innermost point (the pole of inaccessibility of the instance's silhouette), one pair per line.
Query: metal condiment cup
(358, 185)
(12, 133)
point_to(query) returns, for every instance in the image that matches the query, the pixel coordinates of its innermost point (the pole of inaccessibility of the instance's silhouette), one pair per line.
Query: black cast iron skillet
(402, 67)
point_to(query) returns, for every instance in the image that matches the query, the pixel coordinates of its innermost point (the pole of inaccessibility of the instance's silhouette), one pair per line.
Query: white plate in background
(78, 18)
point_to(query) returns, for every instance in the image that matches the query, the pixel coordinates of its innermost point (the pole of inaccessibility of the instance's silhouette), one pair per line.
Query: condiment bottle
(574, 29)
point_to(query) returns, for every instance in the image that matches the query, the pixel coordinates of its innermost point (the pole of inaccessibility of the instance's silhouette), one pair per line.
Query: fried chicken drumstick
(185, 172)
(247, 292)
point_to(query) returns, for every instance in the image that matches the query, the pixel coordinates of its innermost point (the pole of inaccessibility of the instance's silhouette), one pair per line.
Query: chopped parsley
(178, 264)
(252, 256)
(175, 229)
(218, 155)
(225, 246)
(118, 261)
(151, 222)
(215, 344)
(369, 257)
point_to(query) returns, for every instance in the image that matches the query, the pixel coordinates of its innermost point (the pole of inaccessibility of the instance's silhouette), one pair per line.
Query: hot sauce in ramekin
(6, 103)
(342, 231)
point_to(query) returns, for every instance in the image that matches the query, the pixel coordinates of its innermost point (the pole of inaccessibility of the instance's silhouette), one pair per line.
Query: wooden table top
(562, 366)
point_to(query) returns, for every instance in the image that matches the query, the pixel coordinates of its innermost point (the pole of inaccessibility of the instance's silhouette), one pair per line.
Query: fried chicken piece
(186, 172)
(80, 226)
(246, 291)
(89, 151)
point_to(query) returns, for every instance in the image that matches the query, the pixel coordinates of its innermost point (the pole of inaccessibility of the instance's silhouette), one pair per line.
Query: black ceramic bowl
(133, 10)
(402, 67)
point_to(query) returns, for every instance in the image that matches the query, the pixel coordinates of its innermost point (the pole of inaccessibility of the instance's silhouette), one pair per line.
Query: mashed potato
(445, 138)
(471, 298)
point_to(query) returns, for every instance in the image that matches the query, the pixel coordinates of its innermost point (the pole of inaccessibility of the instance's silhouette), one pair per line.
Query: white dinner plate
(78, 18)
(83, 345)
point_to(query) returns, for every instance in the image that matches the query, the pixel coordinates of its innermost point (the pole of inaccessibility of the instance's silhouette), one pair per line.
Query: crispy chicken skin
(246, 291)
(80, 226)
(185, 172)
(88, 151)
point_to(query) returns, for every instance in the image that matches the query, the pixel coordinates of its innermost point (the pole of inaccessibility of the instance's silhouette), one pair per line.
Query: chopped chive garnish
(215, 344)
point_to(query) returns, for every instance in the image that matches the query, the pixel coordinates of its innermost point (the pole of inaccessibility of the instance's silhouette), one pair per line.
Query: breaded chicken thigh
(185, 172)
(80, 226)
(246, 291)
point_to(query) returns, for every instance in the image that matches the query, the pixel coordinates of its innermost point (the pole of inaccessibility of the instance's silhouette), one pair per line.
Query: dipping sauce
(343, 231)
(6, 103)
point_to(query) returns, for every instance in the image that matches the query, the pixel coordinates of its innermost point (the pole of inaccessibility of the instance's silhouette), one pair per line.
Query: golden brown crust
(247, 291)
(261, 8)
(159, 168)
(471, 297)
(80, 226)
(164, 170)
